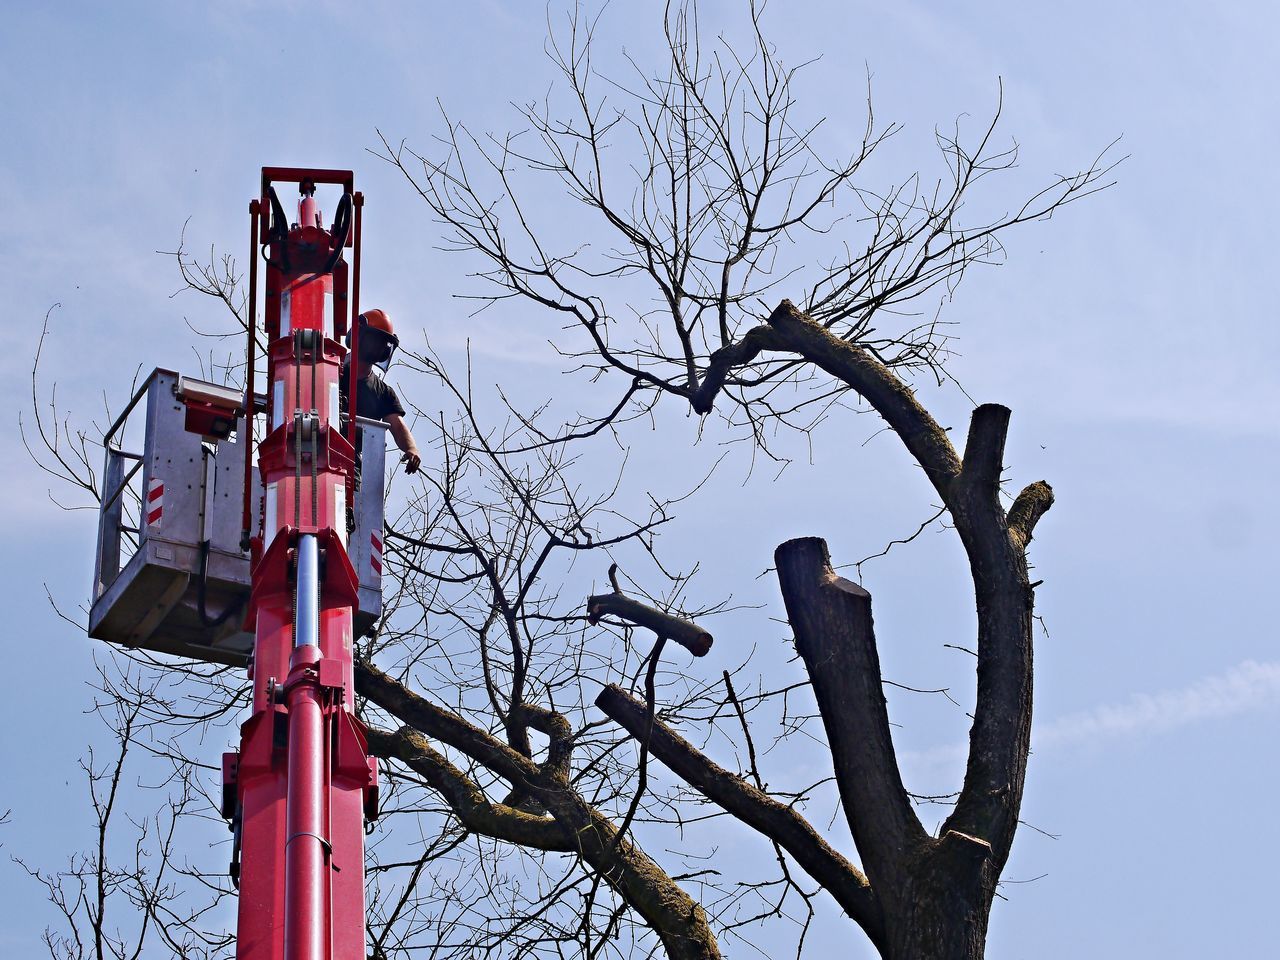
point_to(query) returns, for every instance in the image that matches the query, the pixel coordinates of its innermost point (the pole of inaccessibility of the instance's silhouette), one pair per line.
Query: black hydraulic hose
(279, 228)
(233, 870)
(279, 222)
(340, 230)
(201, 590)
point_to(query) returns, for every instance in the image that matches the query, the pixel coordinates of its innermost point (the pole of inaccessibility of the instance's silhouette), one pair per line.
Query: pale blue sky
(1133, 336)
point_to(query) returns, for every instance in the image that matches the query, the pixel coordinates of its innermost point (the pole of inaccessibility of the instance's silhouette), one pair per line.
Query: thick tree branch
(1028, 507)
(831, 618)
(684, 632)
(559, 733)
(1000, 737)
(723, 361)
(984, 449)
(677, 918)
(891, 398)
(777, 821)
(425, 716)
(476, 812)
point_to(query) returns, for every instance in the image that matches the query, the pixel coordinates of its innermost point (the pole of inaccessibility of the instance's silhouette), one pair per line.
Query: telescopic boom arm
(299, 790)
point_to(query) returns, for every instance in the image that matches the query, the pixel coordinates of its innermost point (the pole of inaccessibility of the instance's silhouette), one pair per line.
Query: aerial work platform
(245, 528)
(170, 575)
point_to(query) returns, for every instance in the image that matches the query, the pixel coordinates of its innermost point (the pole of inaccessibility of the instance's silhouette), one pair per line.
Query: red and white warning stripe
(375, 553)
(155, 502)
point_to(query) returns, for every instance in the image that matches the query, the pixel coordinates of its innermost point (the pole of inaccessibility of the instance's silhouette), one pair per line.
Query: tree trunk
(941, 927)
(941, 912)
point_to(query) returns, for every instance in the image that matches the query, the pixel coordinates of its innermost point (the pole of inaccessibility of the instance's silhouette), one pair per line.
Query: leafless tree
(129, 891)
(708, 199)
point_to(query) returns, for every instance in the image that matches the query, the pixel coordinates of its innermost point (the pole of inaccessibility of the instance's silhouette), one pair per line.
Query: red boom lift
(301, 787)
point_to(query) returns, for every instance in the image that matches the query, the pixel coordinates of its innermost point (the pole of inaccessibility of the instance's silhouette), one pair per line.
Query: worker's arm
(404, 440)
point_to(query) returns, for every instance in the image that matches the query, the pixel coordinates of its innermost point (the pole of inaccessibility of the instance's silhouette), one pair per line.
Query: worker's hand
(411, 460)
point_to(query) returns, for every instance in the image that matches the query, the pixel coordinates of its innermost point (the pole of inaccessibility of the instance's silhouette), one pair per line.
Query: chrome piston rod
(307, 599)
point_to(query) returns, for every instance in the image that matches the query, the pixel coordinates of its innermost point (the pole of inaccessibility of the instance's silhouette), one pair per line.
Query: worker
(375, 398)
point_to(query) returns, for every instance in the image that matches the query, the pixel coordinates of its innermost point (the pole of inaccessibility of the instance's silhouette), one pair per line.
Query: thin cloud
(1244, 688)
(1247, 687)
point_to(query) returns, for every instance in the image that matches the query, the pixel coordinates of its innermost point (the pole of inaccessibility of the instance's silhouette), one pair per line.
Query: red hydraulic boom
(302, 785)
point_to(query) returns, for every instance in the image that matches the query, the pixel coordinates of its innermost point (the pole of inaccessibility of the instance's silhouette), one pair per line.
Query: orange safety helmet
(377, 338)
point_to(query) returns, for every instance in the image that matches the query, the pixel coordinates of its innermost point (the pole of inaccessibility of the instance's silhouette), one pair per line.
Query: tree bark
(946, 902)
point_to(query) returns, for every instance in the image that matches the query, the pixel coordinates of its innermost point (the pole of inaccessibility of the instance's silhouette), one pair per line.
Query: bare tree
(706, 189)
(129, 891)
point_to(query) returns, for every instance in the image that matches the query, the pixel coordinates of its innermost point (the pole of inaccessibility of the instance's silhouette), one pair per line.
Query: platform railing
(118, 490)
(112, 528)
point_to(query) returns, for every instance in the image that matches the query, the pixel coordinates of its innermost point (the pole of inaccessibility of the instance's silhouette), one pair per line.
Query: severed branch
(688, 634)
(1028, 507)
(831, 618)
(984, 447)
